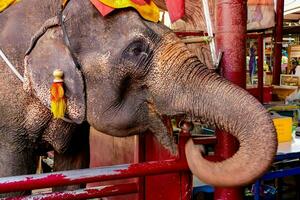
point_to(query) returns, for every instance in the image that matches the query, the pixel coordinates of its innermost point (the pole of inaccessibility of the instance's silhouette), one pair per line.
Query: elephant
(122, 74)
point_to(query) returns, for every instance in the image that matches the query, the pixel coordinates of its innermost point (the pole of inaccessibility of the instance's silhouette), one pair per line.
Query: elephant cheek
(119, 121)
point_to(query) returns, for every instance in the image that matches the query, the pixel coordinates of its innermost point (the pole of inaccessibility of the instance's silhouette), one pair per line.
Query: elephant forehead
(90, 31)
(95, 62)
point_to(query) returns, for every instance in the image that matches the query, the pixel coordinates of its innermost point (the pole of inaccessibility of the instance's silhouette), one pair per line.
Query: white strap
(15, 71)
(21, 77)
(209, 31)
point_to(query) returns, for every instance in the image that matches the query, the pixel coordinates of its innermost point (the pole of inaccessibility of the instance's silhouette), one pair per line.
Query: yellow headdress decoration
(6, 3)
(147, 9)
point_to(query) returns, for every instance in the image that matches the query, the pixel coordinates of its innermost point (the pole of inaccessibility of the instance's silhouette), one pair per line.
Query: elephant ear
(49, 52)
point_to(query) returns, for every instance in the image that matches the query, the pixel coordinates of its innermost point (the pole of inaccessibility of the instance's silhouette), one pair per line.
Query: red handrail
(95, 192)
(73, 177)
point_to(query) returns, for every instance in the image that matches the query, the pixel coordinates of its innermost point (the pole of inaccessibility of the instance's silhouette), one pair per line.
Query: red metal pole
(260, 63)
(96, 192)
(260, 67)
(278, 42)
(73, 177)
(170, 186)
(141, 158)
(231, 39)
(186, 176)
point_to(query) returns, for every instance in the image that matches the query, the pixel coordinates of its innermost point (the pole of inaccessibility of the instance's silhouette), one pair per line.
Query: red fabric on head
(175, 9)
(139, 2)
(102, 8)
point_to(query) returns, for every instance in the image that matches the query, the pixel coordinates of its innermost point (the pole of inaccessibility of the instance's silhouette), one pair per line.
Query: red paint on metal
(231, 40)
(226, 146)
(72, 177)
(141, 158)
(278, 42)
(186, 177)
(97, 192)
(260, 67)
(259, 94)
(254, 35)
(172, 186)
(160, 187)
(190, 33)
(214, 158)
(267, 93)
(205, 140)
(106, 150)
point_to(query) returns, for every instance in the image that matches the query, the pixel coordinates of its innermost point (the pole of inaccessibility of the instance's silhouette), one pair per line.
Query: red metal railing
(73, 177)
(96, 192)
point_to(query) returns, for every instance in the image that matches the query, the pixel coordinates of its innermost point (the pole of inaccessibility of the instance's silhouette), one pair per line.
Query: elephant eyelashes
(136, 49)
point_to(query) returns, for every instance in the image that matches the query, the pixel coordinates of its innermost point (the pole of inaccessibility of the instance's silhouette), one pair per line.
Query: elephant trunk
(204, 95)
(235, 111)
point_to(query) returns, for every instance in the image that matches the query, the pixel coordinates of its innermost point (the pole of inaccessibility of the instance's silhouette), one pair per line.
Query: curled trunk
(204, 95)
(235, 111)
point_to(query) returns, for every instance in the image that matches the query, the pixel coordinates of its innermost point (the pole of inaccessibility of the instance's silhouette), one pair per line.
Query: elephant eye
(136, 49)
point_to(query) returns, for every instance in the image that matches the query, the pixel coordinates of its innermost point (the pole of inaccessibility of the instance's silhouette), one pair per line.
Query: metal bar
(190, 33)
(186, 179)
(281, 173)
(231, 40)
(287, 156)
(257, 189)
(73, 177)
(255, 35)
(197, 39)
(278, 42)
(214, 158)
(205, 140)
(95, 192)
(141, 158)
(260, 68)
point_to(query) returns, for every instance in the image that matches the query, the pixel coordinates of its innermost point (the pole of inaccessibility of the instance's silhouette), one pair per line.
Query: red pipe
(260, 68)
(141, 158)
(278, 42)
(190, 33)
(96, 192)
(205, 140)
(73, 177)
(260, 64)
(231, 40)
(185, 176)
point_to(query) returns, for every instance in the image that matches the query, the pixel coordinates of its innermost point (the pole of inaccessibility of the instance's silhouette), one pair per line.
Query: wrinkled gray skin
(131, 73)
(26, 127)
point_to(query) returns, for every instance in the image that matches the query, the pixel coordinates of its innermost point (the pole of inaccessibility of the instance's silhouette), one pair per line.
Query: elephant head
(122, 74)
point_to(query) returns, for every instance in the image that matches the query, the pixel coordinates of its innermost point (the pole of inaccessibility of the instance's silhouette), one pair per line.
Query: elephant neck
(37, 117)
